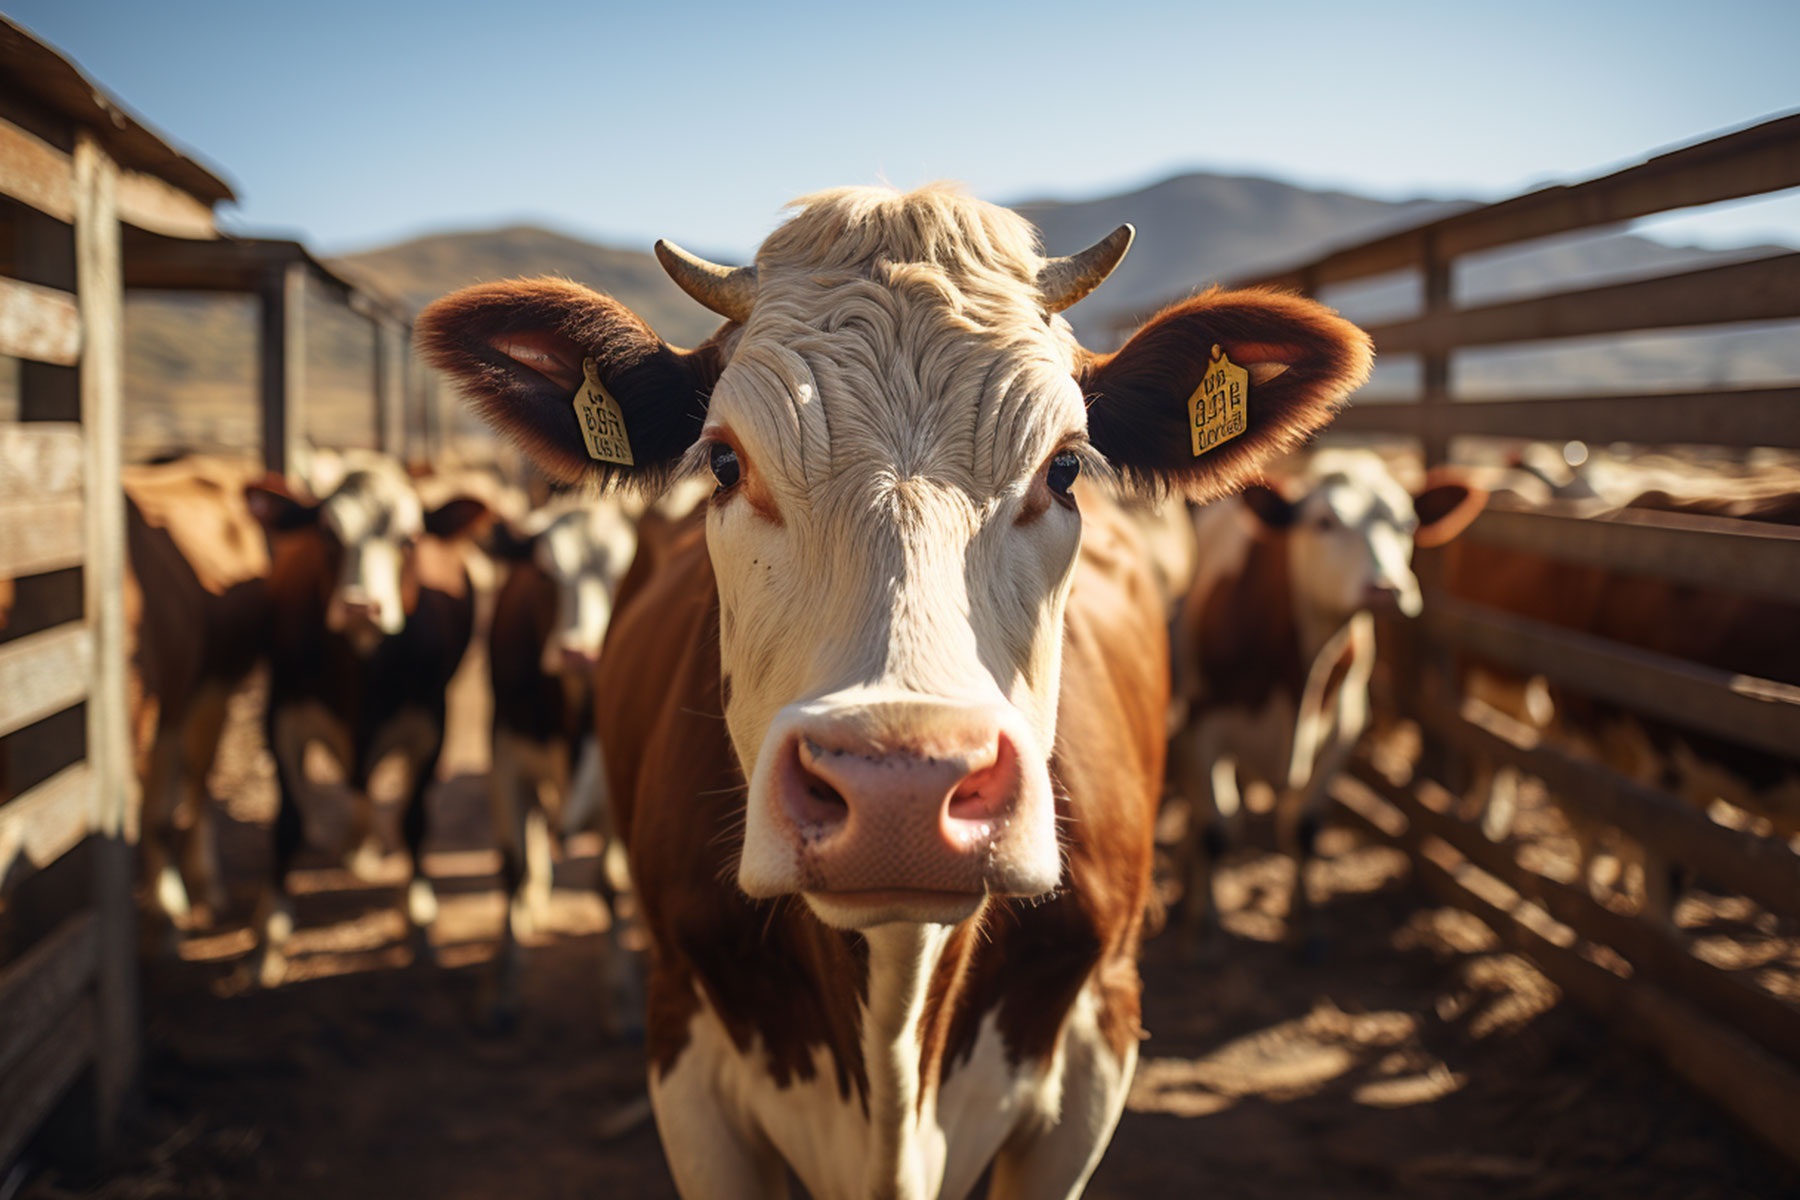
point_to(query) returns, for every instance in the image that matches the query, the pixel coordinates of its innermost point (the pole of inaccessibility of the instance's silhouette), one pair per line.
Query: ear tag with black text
(1219, 409)
(601, 419)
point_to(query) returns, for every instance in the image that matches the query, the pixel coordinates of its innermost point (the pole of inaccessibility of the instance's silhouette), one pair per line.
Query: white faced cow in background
(550, 618)
(1275, 645)
(895, 895)
(372, 610)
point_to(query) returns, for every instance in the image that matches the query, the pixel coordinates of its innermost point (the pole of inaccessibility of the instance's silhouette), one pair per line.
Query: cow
(884, 720)
(1275, 648)
(197, 615)
(550, 616)
(372, 610)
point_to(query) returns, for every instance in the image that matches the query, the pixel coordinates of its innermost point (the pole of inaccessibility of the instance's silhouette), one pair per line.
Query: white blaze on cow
(895, 896)
(1275, 645)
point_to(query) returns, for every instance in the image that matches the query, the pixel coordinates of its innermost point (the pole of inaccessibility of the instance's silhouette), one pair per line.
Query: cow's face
(1350, 535)
(895, 417)
(583, 553)
(370, 526)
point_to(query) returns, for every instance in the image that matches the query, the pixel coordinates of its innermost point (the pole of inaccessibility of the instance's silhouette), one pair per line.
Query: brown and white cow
(1275, 645)
(372, 611)
(885, 721)
(197, 609)
(550, 618)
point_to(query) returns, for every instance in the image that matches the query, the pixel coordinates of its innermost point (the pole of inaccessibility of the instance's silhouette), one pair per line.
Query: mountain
(190, 360)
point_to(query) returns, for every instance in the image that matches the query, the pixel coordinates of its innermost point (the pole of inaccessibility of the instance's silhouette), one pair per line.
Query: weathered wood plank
(38, 323)
(1753, 1086)
(1649, 948)
(1761, 868)
(1765, 289)
(160, 207)
(1749, 162)
(43, 674)
(35, 173)
(41, 825)
(41, 536)
(1736, 417)
(100, 271)
(40, 460)
(40, 1080)
(1753, 712)
(43, 983)
(1752, 558)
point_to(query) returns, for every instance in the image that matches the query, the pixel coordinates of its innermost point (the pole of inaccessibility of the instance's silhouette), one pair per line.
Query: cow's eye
(1064, 467)
(725, 466)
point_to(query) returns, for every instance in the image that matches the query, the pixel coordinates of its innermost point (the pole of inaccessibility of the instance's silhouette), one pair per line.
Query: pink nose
(361, 612)
(908, 815)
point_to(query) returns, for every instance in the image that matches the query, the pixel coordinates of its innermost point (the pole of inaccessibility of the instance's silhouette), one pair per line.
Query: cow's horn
(728, 291)
(1063, 281)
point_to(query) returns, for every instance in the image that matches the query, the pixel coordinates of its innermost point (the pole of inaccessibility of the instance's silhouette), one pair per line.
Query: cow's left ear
(1303, 360)
(277, 509)
(457, 517)
(1445, 508)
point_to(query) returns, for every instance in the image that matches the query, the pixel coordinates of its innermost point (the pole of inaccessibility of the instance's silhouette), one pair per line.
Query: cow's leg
(200, 746)
(1214, 814)
(624, 985)
(512, 791)
(289, 731)
(168, 891)
(1299, 813)
(1051, 1159)
(423, 736)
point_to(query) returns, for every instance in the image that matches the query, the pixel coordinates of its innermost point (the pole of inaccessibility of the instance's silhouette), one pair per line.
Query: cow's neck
(903, 961)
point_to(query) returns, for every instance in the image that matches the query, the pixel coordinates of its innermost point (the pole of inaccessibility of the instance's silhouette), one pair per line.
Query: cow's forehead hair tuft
(374, 502)
(902, 332)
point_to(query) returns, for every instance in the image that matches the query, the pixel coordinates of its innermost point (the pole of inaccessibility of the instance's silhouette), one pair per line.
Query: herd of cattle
(879, 727)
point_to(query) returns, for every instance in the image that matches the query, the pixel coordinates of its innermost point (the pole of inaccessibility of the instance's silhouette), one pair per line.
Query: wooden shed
(78, 176)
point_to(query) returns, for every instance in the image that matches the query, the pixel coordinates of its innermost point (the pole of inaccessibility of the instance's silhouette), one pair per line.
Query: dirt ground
(1416, 1059)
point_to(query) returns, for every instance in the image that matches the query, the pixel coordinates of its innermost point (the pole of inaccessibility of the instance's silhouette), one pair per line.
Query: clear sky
(358, 123)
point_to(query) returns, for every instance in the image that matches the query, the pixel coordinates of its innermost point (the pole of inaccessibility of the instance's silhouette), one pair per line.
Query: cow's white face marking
(585, 553)
(1352, 539)
(377, 520)
(892, 542)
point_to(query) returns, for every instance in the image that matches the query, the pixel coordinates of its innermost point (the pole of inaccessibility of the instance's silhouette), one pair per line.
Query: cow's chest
(721, 1112)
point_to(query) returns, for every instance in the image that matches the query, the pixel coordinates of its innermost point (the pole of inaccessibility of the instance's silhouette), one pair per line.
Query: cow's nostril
(814, 801)
(986, 793)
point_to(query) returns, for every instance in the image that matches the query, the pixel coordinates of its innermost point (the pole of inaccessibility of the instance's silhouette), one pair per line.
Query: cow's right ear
(277, 509)
(1271, 509)
(506, 544)
(517, 351)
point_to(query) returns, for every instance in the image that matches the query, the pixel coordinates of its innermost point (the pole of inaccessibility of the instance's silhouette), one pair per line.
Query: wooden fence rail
(1720, 1030)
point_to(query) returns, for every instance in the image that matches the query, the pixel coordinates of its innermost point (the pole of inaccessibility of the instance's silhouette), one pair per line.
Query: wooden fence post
(100, 294)
(282, 354)
(390, 385)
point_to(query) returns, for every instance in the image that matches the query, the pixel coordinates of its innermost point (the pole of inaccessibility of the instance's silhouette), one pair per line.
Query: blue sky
(353, 124)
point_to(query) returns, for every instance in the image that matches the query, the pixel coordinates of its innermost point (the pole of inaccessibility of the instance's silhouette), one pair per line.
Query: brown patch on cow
(1242, 629)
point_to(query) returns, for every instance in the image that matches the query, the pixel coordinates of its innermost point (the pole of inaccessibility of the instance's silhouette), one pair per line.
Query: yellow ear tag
(601, 419)
(1219, 409)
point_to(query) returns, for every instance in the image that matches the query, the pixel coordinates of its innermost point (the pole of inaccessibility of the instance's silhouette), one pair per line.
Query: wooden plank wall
(1728, 1037)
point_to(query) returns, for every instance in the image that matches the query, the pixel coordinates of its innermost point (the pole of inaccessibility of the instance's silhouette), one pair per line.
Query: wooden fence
(1734, 1041)
(93, 202)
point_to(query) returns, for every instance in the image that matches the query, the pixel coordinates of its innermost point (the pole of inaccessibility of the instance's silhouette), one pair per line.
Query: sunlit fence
(1723, 1031)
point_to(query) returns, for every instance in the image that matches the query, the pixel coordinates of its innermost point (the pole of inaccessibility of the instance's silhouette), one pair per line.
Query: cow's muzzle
(909, 810)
